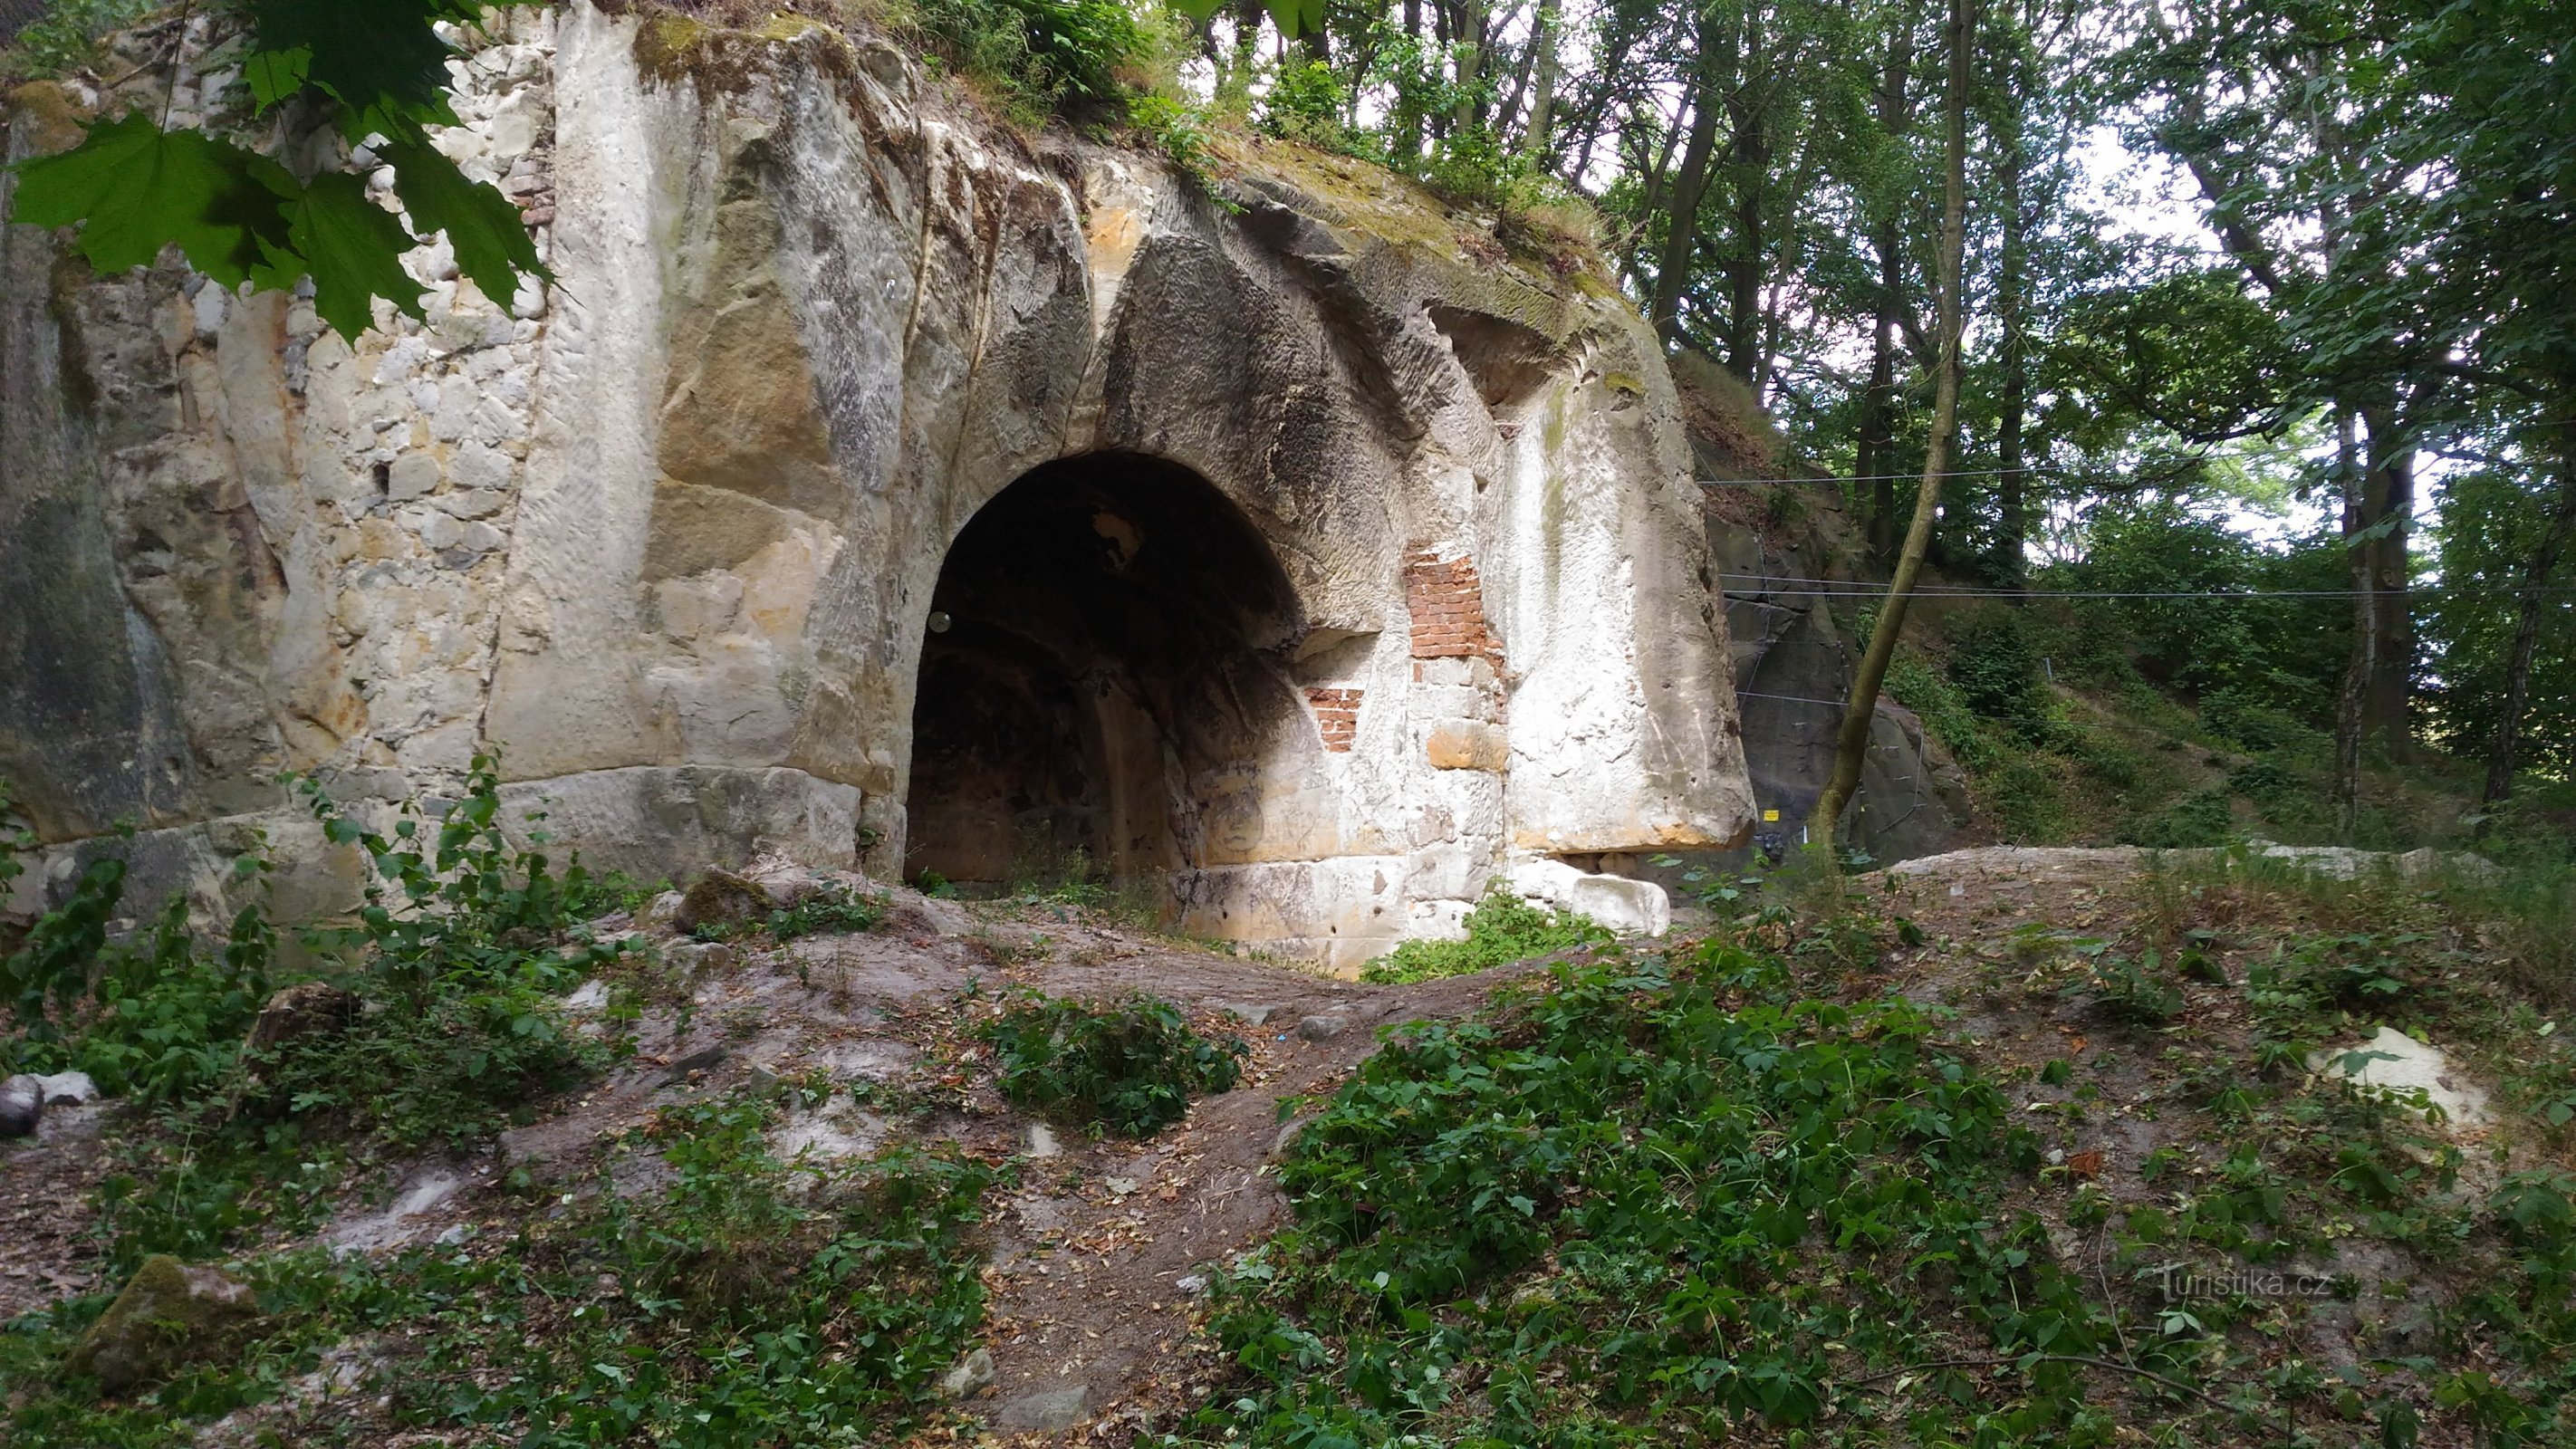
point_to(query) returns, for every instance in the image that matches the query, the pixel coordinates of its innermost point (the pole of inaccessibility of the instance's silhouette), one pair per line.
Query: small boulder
(720, 898)
(662, 913)
(973, 1374)
(306, 1009)
(1047, 1411)
(22, 1102)
(1324, 1026)
(786, 883)
(170, 1314)
(68, 1089)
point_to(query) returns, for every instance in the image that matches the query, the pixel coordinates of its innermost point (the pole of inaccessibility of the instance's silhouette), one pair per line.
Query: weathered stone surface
(170, 1314)
(674, 546)
(720, 897)
(22, 1106)
(306, 1009)
(1468, 745)
(1044, 1411)
(972, 1374)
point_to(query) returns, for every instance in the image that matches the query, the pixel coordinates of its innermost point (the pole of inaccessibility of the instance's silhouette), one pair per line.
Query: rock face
(878, 488)
(170, 1314)
(1794, 671)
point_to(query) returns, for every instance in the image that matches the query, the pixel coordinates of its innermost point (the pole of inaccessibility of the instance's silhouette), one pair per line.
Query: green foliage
(1647, 1204)
(2139, 990)
(1130, 1066)
(746, 1300)
(831, 913)
(1039, 55)
(467, 940)
(65, 37)
(380, 75)
(1502, 929)
(1944, 710)
(2203, 818)
(1179, 131)
(1997, 671)
(1305, 103)
(457, 959)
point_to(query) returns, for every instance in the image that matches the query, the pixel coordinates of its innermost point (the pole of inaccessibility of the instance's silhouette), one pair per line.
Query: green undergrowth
(1711, 1197)
(747, 1299)
(1128, 1066)
(1502, 929)
(1651, 1202)
(454, 964)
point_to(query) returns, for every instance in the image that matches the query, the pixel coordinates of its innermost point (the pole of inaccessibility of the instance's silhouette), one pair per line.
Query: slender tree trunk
(2352, 701)
(1681, 228)
(1471, 63)
(2526, 629)
(1878, 405)
(1851, 746)
(2012, 286)
(1535, 140)
(1878, 427)
(2391, 570)
(1749, 161)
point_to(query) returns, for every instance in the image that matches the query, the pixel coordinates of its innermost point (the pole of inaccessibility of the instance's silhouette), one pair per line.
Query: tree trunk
(2391, 569)
(2526, 629)
(2353, 699)
(1681, 227)
(1878, 406)
(2012, 286)
(1542, 110)
(1749, 159)
(1878, 422)
(1851, 746)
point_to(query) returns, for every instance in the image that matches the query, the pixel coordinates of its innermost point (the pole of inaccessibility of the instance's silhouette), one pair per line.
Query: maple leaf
(352, 248)
(134, 188)
(491, 242)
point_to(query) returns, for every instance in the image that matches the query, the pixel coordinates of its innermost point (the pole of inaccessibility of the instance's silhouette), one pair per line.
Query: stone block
(1466, 744)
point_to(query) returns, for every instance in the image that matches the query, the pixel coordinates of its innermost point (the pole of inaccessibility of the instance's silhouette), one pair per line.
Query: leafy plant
(1502, 929)
(1653, 1202)
(380, 75)
(737, 1299)
(831, 913)
(1131, 1065)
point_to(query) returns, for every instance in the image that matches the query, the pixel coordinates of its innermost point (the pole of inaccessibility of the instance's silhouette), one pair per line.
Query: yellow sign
(1770, 815)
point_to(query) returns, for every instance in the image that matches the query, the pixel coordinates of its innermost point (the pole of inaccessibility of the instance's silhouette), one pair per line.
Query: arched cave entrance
(1097, 677)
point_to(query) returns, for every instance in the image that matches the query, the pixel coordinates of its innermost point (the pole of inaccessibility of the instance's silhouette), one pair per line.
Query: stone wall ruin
(1291, 554)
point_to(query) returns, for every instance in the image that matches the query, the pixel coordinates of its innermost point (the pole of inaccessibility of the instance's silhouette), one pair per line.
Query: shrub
(1305, 103)
(1130, 1066)
(1651, 1202)
(1502, 929)
(1040, 55)
(2024, 799)
(1997, 671)
(831, 913)
(2204, 818)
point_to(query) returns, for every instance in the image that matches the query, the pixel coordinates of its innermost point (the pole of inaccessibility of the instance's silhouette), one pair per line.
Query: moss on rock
(170, 1314)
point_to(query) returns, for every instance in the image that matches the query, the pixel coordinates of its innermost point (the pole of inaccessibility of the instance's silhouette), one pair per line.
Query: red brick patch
(1337, 714)
(1448, 606)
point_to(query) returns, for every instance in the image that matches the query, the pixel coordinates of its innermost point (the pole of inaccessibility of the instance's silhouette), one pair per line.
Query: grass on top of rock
(1502, 929)
(745, 1299)
(1128, 1066)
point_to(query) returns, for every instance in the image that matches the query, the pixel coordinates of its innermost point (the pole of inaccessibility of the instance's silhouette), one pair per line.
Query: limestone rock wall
(667, 535)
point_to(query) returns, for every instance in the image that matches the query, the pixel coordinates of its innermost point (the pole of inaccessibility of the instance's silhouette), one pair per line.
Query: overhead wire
(1848, 588)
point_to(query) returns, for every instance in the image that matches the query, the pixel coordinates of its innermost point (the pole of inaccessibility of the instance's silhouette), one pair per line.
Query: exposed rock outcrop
(877, 488)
